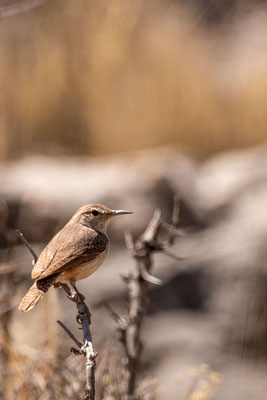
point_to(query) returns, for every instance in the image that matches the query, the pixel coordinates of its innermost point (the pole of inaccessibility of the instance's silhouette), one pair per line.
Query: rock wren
(74, 253)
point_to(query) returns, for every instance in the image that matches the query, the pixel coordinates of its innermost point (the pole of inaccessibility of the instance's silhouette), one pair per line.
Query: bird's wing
(73, 245)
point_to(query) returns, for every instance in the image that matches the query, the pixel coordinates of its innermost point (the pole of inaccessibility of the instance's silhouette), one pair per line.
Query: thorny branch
(83, 318)
(129, 326)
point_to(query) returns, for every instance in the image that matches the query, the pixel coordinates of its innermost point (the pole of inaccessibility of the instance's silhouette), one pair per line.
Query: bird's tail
(35, 294)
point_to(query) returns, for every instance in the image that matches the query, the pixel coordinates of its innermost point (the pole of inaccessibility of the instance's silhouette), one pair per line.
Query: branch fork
(129, 326)
(84, 319)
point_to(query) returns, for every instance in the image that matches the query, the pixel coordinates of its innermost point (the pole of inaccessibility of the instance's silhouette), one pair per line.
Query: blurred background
(126, 103)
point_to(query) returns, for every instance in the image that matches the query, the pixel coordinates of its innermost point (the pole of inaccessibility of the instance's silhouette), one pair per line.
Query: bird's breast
(82, 271)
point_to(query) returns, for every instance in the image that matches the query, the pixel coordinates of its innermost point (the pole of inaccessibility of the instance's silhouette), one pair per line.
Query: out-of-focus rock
(212, 304)
(43, 192)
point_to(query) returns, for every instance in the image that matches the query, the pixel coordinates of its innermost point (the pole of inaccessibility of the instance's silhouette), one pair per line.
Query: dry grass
(101, 77)
(204, 384)
(35, 358)
(47, 374)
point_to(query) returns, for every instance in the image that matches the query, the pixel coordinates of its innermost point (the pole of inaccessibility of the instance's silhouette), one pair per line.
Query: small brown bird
(74, 253)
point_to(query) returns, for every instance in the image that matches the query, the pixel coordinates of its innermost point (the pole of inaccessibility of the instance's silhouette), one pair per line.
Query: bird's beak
(120, 212)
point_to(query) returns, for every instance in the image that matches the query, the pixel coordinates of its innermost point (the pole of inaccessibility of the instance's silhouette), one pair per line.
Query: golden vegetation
(99, 77)
(205, 384)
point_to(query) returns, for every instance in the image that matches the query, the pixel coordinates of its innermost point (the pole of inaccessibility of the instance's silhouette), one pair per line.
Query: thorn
(113, 313)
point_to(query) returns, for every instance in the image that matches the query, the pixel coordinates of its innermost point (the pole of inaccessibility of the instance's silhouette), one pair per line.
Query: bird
(74, 253)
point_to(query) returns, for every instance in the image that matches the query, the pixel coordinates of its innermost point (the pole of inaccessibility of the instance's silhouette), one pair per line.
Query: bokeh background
(126, 103)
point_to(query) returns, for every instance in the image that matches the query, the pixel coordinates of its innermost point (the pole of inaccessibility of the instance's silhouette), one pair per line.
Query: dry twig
(83, 318)
(86, 348)
(129, 326)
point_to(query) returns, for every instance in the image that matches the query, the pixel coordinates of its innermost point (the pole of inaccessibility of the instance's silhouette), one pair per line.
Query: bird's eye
(95, 213)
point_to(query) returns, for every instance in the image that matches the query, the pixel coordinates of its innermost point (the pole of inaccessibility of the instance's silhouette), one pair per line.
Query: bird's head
(97, 216)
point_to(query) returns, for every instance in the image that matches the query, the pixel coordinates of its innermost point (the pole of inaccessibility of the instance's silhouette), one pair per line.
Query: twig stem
(76, 341)
(27, 244)
(130, 325)
(84, 319)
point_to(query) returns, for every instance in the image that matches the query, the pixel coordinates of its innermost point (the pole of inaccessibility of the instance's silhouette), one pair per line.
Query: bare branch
(130, 325)
(112, 313)
(175, 219)
(65, 287)
(151, 231)
(178, 258)
(176, 211)
(27, 244)
(176, 231)
(146, 276)
(130, 243)
(84, 319)
(79, 344)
